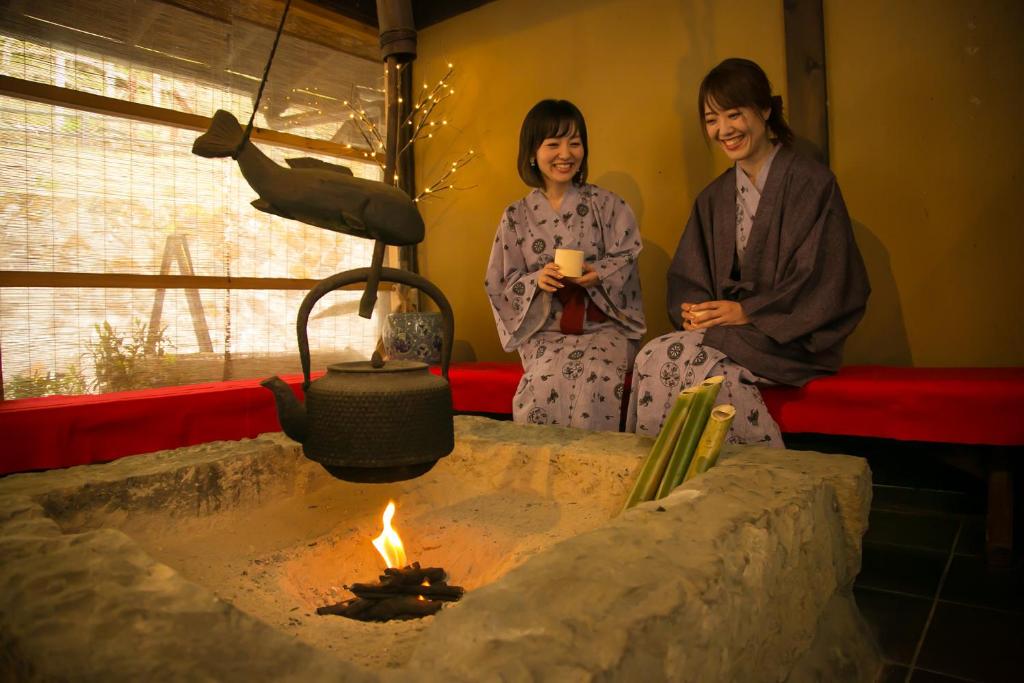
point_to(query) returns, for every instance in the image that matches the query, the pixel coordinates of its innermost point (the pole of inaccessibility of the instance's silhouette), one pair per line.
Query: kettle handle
(349, 277)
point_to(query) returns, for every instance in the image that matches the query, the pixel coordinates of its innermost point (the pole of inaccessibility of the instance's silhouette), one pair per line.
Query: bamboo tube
(706, 454)
(693, 427)
(654, 466)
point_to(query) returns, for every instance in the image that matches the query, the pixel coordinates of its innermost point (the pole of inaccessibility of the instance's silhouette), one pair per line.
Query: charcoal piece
(352, 608)
(378, 591)
(402, 607)
(399, 607)
(413, 575)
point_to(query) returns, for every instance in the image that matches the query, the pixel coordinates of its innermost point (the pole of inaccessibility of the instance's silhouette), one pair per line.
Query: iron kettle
(371, 421)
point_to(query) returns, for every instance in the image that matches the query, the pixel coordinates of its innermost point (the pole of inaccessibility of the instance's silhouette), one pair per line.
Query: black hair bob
(549, 119)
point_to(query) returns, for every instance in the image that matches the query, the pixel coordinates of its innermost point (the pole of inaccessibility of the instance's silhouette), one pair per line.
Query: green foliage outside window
(132, 360)
(34, 383)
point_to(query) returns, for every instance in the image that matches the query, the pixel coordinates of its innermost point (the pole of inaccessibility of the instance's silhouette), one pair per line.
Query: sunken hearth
(212, 561)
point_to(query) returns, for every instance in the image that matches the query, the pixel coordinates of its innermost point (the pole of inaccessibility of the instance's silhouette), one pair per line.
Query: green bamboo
(693, 427)
(706, 454)
(657, 459)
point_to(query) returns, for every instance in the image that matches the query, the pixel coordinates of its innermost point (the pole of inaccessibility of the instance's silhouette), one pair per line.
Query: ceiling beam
(425, 12)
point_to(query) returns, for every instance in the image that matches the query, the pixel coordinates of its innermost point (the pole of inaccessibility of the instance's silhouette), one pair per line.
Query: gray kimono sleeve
(689, 274)
(822, 294)
(520, 307)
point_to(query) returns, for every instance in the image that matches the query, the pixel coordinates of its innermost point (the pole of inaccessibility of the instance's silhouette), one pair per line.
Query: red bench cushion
(948, 405)
(955, 405)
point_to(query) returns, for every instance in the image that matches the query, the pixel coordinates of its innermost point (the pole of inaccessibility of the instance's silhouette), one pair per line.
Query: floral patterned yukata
(572, 380)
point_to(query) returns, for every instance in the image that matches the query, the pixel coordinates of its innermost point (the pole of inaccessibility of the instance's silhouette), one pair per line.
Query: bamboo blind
(123, 206)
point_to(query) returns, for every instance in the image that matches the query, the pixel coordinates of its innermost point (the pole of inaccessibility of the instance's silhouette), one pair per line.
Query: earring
(533, 162)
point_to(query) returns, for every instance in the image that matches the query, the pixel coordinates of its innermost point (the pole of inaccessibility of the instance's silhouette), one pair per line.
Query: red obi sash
(576, 306)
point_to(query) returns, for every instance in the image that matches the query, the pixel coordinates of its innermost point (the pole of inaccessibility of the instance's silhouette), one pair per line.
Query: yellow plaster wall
(926, 99)
(916, 145)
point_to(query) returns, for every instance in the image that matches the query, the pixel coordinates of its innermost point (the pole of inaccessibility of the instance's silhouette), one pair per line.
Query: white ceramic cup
(569, 261)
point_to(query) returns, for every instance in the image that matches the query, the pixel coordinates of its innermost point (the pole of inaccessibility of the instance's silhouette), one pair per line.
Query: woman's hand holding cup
(549, 279)
(588, 279)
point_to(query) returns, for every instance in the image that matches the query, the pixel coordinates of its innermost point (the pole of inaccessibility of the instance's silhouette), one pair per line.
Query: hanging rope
(263, 82)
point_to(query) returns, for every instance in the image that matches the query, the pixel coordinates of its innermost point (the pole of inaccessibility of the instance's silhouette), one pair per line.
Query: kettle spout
(290, 412)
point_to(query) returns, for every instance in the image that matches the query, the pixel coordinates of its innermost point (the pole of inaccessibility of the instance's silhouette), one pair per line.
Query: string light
(420, 127)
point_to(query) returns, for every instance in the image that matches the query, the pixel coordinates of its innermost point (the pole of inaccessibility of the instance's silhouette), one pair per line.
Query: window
(161, 271)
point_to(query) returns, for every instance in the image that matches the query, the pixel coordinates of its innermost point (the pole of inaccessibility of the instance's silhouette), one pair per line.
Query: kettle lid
(366, 366)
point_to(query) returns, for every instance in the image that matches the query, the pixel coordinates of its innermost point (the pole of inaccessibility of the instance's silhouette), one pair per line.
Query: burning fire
(388, 544)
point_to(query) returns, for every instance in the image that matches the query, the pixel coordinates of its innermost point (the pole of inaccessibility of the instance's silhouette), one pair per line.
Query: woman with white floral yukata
(576, 336)
(767, 281)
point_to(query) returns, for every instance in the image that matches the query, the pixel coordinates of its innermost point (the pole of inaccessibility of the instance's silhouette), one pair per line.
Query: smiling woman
(767, 281)
(576, 335)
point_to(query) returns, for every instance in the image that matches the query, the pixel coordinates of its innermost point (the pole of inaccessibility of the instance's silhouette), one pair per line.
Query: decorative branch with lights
(445, 182)
(369, 132)
(421, 124)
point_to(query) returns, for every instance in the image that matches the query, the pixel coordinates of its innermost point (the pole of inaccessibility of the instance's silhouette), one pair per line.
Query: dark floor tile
(971, 580)
(914, 571)
(972, 537)
(921, 467)
(912, 530)
(893, 673)
(906, 499)
(922, 676)
(974, 643)
(896, 621)
(910, 464)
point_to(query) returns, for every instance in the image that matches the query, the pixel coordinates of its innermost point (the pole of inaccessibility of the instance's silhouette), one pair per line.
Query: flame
(388, 544)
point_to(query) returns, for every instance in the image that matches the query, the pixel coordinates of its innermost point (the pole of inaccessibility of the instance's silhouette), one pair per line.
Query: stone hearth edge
(743, 574)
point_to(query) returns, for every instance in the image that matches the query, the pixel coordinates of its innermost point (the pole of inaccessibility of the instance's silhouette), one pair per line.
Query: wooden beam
(307, 20)
(109, 106)
(30, 278)
(807, 108)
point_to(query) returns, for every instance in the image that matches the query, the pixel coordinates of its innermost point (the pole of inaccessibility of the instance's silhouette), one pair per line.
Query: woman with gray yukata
(767, 281)
(576, 336)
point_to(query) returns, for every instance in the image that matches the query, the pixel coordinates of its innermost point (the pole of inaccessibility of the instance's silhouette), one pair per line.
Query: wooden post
(807, 108)
(999, 517)
(398, 47)
(407, 257)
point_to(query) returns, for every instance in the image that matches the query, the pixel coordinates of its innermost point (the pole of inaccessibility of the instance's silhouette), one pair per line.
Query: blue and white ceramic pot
(413, 336)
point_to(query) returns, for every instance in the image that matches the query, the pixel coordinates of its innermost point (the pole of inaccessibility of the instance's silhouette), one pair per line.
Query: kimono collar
(725, 225)
(762, 174)
(568, 199)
